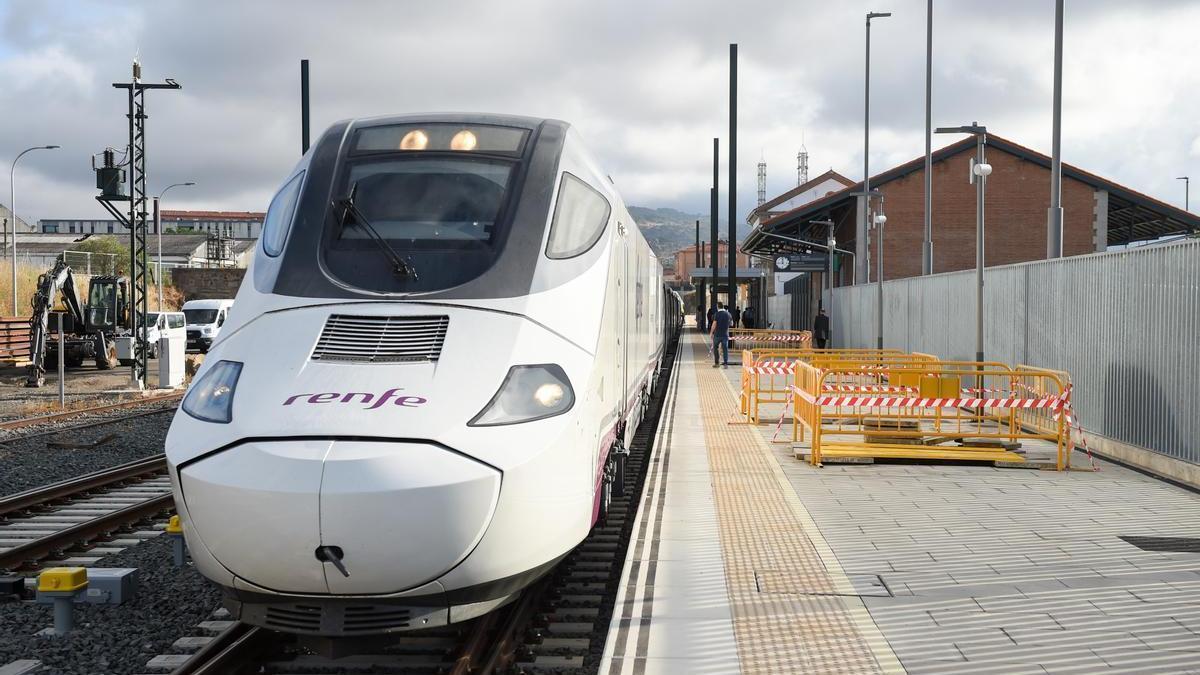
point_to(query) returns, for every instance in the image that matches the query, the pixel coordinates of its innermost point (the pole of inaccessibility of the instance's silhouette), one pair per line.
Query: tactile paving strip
(801, 625)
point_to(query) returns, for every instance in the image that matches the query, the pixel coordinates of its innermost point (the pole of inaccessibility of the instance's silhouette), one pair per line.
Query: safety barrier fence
(986, 409)
(750, 338)
(767, 374)
(14, 340)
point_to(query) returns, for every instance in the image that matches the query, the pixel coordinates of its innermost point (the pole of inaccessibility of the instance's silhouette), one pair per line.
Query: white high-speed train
(418, 403)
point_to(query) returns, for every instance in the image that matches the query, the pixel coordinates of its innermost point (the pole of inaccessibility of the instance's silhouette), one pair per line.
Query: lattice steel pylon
(762, 182)
(136, 220)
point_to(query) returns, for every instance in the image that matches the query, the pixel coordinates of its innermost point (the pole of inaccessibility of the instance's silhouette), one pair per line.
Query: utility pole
(136, 220)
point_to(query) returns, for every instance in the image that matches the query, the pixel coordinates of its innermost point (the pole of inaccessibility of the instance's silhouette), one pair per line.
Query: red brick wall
(1018, 194)
(685, 260)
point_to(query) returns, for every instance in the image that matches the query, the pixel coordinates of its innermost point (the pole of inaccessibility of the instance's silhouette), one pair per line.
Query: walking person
(700, 325)
(719, 331)
(737, 316)
(821, 329)
(711, 310)
(748, 317)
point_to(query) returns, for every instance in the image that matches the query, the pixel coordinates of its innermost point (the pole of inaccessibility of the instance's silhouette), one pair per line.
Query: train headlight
(528, 393)
(211, 398)
(414, 140)
(464, 140)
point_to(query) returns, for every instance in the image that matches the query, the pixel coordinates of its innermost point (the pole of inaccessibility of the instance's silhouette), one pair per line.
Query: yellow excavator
(90, 330)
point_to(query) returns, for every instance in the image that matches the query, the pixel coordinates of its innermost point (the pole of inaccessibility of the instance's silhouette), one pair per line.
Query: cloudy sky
(645, 81)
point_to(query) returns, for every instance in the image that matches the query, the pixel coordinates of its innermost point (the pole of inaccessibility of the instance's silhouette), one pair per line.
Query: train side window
(580, 214)
(279, 216)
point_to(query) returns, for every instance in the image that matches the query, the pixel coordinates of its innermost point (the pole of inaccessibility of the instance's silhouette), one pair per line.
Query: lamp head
(51, 147)
(877, 15)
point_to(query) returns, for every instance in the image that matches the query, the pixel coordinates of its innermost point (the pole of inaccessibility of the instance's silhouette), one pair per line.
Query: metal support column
(732, 197)
(303, 106)
(714, 249)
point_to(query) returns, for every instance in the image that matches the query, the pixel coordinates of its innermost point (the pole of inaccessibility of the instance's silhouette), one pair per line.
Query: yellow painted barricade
(767, 374)
(958, 410)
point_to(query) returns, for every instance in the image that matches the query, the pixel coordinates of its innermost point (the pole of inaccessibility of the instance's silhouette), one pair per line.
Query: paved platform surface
(749, 560)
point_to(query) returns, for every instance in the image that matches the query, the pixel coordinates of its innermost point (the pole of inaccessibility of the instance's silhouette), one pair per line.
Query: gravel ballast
(28, 462)
(116, 639)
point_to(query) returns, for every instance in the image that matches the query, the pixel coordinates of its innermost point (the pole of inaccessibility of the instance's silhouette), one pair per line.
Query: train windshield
(438, 204)
(443, 202)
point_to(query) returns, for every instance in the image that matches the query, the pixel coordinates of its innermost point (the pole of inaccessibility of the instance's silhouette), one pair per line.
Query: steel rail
(67, 414)
(474, 646)
(236, 648)
(62, 540)
(503, 651)
(72, 487)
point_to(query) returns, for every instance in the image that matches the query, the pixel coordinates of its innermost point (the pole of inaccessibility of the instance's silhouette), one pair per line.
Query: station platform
(746, 559)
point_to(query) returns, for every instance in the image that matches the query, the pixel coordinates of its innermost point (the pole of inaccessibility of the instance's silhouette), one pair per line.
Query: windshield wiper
(399, 266)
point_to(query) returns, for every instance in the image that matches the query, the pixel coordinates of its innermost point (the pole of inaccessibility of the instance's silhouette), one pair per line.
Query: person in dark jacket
(700, 323)
(737, 316)
(821, 329)
(748, 318)
(711, 310)
(719, 331)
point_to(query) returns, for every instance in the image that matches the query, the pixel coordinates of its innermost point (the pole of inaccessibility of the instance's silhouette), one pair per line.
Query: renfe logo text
(370, 401)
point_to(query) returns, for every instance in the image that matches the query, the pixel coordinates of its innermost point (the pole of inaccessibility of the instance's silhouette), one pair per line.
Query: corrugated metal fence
(1126, 325)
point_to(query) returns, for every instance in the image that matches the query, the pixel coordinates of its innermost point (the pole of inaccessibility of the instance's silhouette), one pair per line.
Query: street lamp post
(867, 116)
(1187, 191)
(980, 170)
(12, 207)
(1054, 215)
(927, 244)
(158, 229)
(880, 219)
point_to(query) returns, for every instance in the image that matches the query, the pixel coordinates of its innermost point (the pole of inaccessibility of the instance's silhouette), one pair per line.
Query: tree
(110, 256)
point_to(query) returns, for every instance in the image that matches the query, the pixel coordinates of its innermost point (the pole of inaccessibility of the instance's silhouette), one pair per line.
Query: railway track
(53, 418)
(58, 518)
(557, 626)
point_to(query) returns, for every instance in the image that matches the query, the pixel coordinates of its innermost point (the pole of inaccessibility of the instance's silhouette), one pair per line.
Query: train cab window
(279, 216)
(439, 202)
(580, 214)
(418, 208)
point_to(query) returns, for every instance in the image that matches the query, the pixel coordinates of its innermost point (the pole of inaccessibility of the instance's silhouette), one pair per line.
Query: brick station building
(685, 260)
(1097, 214)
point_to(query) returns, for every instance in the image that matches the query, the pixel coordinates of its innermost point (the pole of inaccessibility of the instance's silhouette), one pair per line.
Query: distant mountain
(669, 230)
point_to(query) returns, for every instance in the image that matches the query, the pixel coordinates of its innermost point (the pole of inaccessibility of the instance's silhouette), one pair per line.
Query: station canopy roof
(1132, 216)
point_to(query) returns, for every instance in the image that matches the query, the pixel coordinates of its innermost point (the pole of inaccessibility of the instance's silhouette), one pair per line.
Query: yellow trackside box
(933, 386)
(174, 525)
(62, 579)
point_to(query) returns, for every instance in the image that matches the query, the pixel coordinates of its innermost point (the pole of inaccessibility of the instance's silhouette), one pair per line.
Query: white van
(204, 321)
(160, 325)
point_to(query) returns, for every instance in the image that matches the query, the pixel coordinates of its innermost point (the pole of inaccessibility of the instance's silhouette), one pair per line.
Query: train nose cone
(342, 517)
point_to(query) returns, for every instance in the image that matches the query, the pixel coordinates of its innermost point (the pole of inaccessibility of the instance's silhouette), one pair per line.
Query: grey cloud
(645, 82)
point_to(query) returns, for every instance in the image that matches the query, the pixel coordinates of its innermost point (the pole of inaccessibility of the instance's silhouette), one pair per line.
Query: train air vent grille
(294, 618)
(381, 339)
